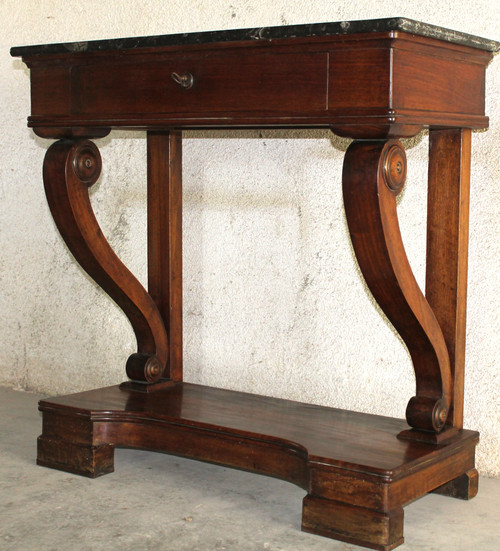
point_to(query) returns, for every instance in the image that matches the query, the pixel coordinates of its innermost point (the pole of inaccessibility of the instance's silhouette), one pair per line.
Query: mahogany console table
(373, 81)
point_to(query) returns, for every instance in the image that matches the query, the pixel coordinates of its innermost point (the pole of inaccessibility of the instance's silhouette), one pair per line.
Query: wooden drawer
(228, 83)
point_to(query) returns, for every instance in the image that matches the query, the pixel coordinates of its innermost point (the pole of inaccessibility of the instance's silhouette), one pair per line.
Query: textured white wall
(273, 299)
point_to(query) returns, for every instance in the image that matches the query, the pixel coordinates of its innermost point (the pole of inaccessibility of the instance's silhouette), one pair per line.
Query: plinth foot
(462, 487)
(85, 460)
(357, 525)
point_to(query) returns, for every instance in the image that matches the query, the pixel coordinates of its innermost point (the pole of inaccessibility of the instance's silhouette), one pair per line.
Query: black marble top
(267, 34)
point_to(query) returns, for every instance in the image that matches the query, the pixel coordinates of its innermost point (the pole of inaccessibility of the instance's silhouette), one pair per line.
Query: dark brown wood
(447, 247)
(447, 433)
(359, 470)
(372, 85)
(68, 171)
(358, 525)
(91, 461)
(374, 172)
(463, 487)
(217, 86)
(165, 238)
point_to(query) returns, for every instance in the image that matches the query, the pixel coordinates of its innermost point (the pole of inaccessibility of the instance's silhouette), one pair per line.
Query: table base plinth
(357, 473)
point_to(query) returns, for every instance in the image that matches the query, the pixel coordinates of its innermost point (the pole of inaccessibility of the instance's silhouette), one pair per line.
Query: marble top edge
(265, 34)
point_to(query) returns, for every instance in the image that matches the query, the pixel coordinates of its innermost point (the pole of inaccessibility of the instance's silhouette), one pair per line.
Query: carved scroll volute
(69, 169)
(374, 173)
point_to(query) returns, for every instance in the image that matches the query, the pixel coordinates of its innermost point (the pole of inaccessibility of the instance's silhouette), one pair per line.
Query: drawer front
(291, 83)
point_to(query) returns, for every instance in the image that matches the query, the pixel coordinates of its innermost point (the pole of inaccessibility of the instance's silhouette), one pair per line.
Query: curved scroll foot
(374, 173)
(69, 169)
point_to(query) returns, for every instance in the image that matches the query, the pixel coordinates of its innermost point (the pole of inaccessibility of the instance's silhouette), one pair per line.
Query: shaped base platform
(357, 473)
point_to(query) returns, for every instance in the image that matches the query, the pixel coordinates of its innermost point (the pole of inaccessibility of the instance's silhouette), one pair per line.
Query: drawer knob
(185, 81)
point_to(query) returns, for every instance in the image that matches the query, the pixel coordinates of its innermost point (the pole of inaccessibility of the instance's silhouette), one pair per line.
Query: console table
(373, 81)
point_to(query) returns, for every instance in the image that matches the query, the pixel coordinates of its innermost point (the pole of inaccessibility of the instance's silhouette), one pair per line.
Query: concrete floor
(159, 502)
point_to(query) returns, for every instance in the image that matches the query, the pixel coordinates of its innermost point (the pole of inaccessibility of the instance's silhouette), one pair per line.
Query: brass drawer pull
(186, 80)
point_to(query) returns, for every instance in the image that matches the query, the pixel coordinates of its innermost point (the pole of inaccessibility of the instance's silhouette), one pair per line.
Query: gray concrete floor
(158, 502)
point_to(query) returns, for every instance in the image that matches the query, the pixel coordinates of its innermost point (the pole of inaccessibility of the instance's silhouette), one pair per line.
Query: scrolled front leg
(69, 169)
(374, 173)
